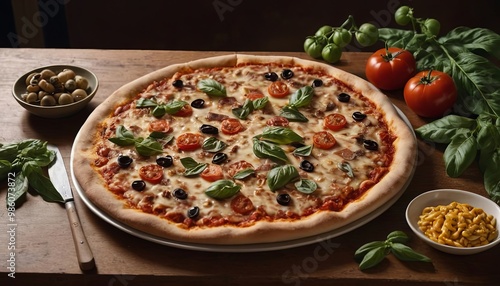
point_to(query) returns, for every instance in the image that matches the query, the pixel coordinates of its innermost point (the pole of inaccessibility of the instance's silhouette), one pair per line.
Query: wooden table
(45, 254)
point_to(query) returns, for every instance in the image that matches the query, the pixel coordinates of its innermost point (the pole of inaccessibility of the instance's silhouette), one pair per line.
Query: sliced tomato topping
(188, 141)
(278, 121)
(231, 126)
(324, 140)
(160, 125)
(212, 173)
(278, 89)
(335, 121)
(185, 111)
(236, 167)
(151, 173)
(253, 95)
(242, 205)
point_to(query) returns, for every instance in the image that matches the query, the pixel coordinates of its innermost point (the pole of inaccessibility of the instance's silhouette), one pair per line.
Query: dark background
(226, 25)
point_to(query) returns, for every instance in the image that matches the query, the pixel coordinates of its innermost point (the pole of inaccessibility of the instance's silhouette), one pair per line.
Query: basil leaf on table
(397, 236)
(367, 247)
(41, 184)
(244, 111)
(303, 151)
(405, 253)
(292, 114)
(306, 186)
(193, 168)
(212, 87)
(280, 135)
(279, 176)
(443, 130)
(488, 163)
(302, 97)
(222, 189)
(266, 150)
(5, 167)
(213, 145)
(373, 257)
(243, 174)
(459, 154)
(123, 137)
(21, 186)
(148, 147)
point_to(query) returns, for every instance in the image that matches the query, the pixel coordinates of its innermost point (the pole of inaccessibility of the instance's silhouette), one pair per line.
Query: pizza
(243, 149)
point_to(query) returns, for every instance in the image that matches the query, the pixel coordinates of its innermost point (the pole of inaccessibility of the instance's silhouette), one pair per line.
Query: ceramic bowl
(445, 197)
(56, 111)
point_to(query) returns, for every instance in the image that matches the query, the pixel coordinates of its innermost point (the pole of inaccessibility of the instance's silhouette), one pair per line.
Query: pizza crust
(391, 184)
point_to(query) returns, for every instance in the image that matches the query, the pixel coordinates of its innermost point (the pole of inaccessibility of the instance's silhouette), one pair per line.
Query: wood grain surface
(44, 250)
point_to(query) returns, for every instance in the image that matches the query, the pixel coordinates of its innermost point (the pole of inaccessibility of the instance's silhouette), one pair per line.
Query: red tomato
(151, 173)
(323, 140)
(231, 126)
(390, 69)
(253, 95)
(430, 93)
(278, 89)
(188, 141)
(335, 121)
(278, 121)
(160, 125)
(212, 173)
(236, 167)
(185, 111)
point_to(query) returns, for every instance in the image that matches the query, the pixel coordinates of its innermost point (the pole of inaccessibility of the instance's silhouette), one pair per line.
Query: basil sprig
(303, 151)
(306, 186)
(293, 114)
(243, 174)
(266, 150)
(279, 135)
(346, 168)
(372, 253)
(466, 138)
(249, 106)
(159, 110)
(192, 167)
(222, 189)
(213, 145)
(279, 176)
(144, 146)
(212, 87)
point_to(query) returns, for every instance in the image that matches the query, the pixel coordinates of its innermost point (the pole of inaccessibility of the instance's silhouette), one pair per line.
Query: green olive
(48, 100)
(46, 74)
(81, 82)
(32, 98)
(46, 86)
(78, 94)
(70, 85)
(30, 77)
(65, 75)
(41, 94)
(65, 98)
(33, 88)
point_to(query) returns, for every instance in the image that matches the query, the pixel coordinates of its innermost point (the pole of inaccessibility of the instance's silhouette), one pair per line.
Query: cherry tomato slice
(231, 126)
(160, 125)
(324, 140)
(335, 121)
(236, 167)
(278, 89)
(212, 173)
(185, 111)
(188, 141)
(151, 173)
(253, 95)
(278, 121)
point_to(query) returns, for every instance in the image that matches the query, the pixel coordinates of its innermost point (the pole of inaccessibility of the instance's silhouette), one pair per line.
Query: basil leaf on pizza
(145, 102)
(279, 176)
(280, 135)
(244, 111)
(293, 114)
(243, 174)
(222, 189)
(148, 146)
(260, 103)
(123, 137)
(213, 145)
(192, 167)
(212, 87)
(306, 186)
(302, 97)
(346, 168)
(303, 151)
(174, 106)
(266, 150)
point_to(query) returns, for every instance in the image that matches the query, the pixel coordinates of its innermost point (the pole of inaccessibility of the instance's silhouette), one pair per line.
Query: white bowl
(445, 197)
(56, 111)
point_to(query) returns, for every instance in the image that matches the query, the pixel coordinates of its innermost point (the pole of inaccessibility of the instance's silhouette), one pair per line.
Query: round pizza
(243, 149)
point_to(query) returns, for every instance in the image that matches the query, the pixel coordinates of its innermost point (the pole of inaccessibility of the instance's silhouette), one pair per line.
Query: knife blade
(59, 178)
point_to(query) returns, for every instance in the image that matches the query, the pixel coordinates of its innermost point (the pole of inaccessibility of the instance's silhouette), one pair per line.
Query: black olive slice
(178, 83)
(165, 162)
(198, 103)
(370, 144)
(306, 166)
(209, 129)
(358, 116)
(271, 76)
(180, 194)
(124, 161)
(219, 158)
(138, 185)
(193, 212)
(344, 97)
(283, 199)
(317, 83)
(287, 74)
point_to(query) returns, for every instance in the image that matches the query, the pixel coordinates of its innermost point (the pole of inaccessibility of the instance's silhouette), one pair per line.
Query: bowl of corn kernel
(455, 221)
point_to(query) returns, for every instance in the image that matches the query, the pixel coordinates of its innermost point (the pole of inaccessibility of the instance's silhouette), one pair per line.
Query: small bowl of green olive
(55, 91)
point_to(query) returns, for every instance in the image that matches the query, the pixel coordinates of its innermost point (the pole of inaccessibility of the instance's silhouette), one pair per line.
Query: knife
(59, 178)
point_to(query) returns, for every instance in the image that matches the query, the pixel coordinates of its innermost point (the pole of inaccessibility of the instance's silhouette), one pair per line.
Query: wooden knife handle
(83, 252)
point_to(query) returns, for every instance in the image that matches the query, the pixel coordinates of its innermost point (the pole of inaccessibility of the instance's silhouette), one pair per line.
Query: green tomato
(331, 53)
(325, 30)
(367, 35)
(431, 27)
(402, 15)
(342, 37)
(313, 46)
